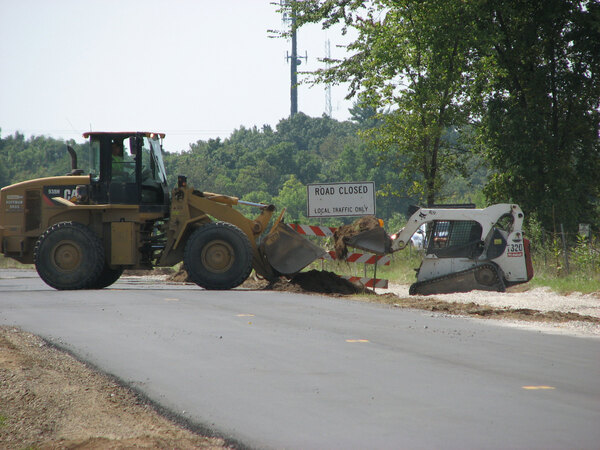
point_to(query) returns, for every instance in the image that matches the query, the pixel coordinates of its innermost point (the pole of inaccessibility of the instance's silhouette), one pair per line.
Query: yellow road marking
(171, 299)
(354, 341)
(245, 315)
(535, 388)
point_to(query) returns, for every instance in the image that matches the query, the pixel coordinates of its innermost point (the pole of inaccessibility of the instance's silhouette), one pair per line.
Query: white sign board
(341, 199)
(584, 229)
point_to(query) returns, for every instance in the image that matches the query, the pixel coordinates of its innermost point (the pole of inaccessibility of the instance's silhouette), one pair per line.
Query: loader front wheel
(218, 256)
(107, 277)
(68, 255)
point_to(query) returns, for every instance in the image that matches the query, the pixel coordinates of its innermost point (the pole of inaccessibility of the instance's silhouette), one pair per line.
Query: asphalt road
(277, 370)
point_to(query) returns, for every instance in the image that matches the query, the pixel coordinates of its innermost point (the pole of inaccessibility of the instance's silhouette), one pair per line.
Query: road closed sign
(341, 199)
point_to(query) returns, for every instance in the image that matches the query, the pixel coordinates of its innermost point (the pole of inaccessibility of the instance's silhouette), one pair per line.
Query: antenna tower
(328, 87)
(295, 60)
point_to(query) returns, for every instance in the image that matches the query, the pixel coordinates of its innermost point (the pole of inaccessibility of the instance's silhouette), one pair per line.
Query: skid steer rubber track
(486, 277)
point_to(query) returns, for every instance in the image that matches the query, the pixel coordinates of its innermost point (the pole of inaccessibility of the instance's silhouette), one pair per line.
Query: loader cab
(127, 168)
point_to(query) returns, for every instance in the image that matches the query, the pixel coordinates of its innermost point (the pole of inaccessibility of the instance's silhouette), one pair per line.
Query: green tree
(411, 58)
(541, 109)
(293, 197)
(4, 180)
(364, 115)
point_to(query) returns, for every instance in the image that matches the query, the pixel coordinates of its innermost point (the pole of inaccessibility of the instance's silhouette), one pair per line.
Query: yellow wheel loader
(82, 230)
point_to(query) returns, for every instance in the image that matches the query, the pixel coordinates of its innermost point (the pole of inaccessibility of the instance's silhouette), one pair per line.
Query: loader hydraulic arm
(191, 208)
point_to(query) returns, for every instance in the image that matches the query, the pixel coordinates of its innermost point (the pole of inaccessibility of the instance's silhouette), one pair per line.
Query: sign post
(341, 199)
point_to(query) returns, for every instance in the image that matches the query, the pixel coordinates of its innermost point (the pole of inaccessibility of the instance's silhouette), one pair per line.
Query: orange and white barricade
(352, 257)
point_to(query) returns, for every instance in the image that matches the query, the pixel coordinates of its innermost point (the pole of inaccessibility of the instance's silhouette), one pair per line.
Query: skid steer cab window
(454, 239)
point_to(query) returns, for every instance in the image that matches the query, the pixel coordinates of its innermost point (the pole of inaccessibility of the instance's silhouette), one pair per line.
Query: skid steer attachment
(287, 251)
(375, 240)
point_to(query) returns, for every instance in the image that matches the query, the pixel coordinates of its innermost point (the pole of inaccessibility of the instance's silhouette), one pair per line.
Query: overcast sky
(195, 69)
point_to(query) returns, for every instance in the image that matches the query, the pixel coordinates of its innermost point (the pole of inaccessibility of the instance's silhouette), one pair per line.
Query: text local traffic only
(341, 199)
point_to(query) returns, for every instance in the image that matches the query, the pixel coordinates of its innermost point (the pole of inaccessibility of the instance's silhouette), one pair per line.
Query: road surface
(279, 370)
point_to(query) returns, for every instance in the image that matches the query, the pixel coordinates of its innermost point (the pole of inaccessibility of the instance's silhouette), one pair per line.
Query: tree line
(265, 165)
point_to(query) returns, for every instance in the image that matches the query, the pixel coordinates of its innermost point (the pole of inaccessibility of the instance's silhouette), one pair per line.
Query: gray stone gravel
(541, 299)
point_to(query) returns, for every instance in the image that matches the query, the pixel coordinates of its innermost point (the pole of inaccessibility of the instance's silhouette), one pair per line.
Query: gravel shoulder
(538, 309)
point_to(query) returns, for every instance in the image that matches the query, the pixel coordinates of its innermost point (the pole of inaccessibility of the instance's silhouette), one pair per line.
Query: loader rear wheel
(218, 256)
(68, 255)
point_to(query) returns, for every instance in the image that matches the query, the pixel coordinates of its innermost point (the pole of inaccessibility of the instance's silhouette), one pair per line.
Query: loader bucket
(375, 240)
(288, 252)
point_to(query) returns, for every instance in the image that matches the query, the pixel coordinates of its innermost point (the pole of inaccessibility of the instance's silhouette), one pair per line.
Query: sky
(194, 69)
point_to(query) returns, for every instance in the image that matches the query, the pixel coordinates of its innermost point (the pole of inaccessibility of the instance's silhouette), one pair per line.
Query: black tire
(413, 289)
(487, 275)
(107, 277)
(69, 255)
(218, 256)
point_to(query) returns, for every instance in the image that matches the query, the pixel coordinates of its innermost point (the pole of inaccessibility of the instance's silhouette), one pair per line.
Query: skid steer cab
(464, 249)
(82, 230)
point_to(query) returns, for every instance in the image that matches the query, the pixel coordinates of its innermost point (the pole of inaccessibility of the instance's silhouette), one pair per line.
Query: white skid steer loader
(465, 248)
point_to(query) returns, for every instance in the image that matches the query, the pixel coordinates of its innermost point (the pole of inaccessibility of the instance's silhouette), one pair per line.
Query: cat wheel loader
(465, 248)
(83, 230)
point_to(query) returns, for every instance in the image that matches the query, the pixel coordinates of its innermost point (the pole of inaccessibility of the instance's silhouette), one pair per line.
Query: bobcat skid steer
(465, 248)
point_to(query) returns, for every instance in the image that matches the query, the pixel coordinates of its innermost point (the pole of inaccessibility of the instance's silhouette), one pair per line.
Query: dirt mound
(319, 282)
(345, 232)
(315, 281)
(155, 271)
